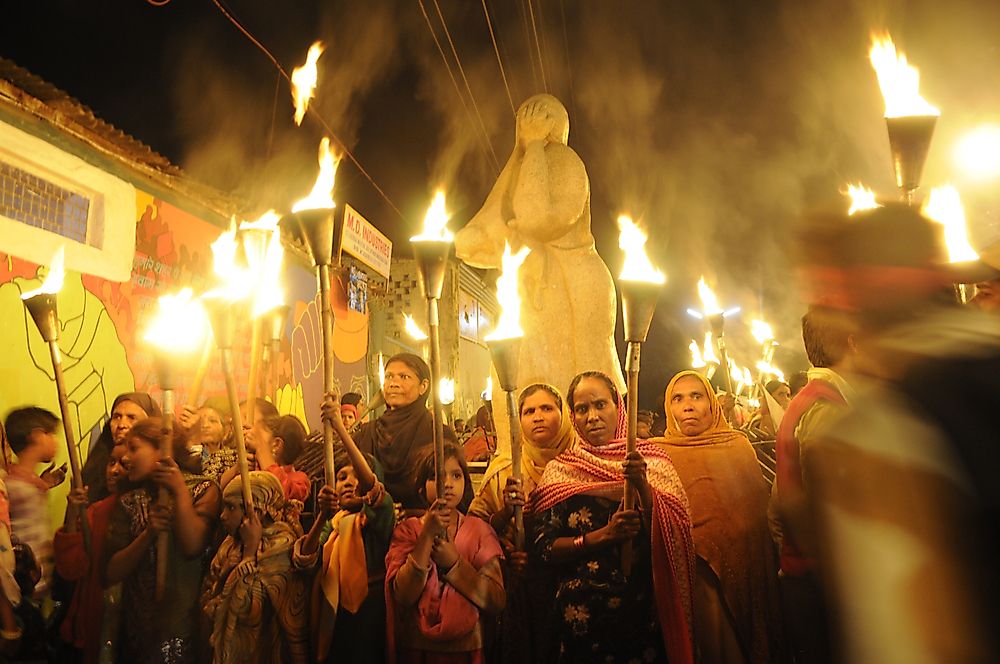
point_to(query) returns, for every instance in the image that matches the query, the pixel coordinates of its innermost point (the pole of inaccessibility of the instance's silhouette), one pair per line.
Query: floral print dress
(600, 615)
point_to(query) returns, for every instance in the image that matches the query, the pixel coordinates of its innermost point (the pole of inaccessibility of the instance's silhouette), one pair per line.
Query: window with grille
(35, 201)
(50, 197)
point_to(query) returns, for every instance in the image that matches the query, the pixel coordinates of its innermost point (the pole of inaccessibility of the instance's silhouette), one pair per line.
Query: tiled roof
(35, 96)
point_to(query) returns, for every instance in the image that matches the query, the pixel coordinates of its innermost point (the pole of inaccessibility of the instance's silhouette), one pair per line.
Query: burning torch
(641, 285)
(41, 304)
(179, 328)
(313, 220)
(505, 351)
(274, 325)
(431, 250)
(909, 118)
(944, 205)
(717, 322)
(263, 253)
(220, 307)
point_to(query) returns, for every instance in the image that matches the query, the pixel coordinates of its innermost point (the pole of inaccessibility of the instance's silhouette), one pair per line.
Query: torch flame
(435, 222)
(235, 282)
(264, 259)
(637, 267)
(509, 325)
(413, 329)
(446, 391)
(862, 198)
(697, 361)
(269, 293)
(735, 371)
(944, 206)
(709, 303)
(321, 196)
(770, 370)
(900, 82)
(708, 354)
(304, 81)
(381, 371)
(487, 394)
(53, 282)
(761, 331)
(179, 325)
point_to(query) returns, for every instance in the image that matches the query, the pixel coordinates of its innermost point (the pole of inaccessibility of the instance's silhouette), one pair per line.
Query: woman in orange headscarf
(524, 633)
(736, 595)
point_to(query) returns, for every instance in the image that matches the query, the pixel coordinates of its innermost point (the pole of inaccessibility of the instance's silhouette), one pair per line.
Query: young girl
(159, 631)
(441, 571)
(253, 600)
(218, 447)
(81, 628)
(348, 599)
(276, 444)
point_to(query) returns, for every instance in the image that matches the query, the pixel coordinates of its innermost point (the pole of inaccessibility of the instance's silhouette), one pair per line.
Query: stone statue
(542, 199)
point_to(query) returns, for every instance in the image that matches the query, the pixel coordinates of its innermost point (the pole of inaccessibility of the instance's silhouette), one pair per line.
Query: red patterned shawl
(597, 471)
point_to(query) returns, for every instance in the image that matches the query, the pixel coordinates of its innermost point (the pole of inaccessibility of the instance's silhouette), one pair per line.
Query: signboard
(365, 242)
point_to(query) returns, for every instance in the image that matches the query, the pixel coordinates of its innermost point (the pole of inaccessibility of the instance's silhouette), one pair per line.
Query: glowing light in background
(977, 153)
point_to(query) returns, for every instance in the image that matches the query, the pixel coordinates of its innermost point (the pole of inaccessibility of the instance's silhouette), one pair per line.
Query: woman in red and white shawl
(601, 614)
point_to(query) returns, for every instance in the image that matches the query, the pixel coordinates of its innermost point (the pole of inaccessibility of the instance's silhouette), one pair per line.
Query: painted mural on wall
(102, 324)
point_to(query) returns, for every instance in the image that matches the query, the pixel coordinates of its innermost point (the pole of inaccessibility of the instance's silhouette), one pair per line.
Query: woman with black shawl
(397, 438)
(127, 409)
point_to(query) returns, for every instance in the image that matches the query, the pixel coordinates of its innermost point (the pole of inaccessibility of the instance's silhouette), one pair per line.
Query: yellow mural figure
(289, 401)
(94, 364)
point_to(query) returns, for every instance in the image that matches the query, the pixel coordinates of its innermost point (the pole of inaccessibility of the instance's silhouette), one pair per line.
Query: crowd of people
(876, 542)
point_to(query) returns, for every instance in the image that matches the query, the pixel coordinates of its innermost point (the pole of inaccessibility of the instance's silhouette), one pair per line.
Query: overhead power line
(538, 45)
(487, 148)
(496, 50)
(468, 88)
(281, 70)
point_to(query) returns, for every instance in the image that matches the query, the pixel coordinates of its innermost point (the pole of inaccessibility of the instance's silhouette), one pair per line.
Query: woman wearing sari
(546, 432)
(406, 430)
(736, 593)
(602, 614)
(253, 600)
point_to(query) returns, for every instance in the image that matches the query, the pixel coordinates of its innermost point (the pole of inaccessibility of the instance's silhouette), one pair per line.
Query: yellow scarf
(719, 431)
(533, 458)
(344, 571)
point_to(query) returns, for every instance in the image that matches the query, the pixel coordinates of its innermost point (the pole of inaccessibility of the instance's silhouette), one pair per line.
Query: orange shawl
(728, 498)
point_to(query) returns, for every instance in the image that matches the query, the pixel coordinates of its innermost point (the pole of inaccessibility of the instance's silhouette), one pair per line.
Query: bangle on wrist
(578, 543)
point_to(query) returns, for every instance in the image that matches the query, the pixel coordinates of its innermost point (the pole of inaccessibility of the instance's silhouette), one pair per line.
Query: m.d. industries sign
(365, 242)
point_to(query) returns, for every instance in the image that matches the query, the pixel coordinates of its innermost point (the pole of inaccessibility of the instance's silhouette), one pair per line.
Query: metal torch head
(909, 141)
(166, 372)
(506, 354)
(251, 242)
(432, 262)
(276, 320)
(638, 304)
(316, 230)
(42, 308)
(222, 317)
(718, 324)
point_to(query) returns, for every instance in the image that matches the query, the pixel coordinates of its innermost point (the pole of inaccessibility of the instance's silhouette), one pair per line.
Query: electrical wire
(538, 45)
(496, 50)
(451, 75)
(236, 22)
(527, 42)
(569, 66)
(468, 88)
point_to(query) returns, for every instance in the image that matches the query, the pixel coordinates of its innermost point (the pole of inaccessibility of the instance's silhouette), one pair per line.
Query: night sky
(717, 124)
